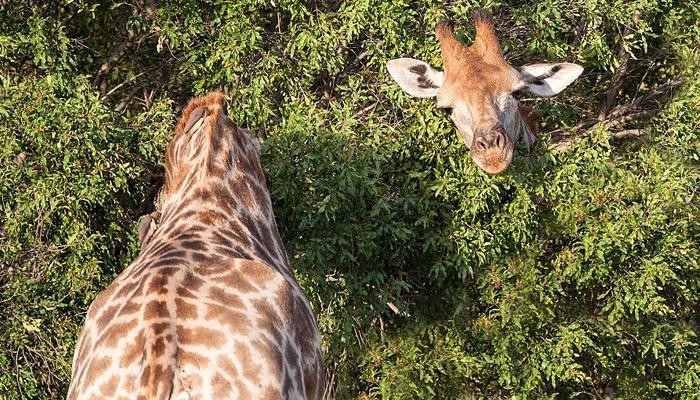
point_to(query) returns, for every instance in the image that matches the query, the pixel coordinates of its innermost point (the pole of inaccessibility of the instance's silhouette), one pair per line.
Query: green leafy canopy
(575, 274)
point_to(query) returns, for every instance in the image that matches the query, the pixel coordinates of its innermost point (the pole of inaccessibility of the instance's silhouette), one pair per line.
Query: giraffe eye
(447, 110)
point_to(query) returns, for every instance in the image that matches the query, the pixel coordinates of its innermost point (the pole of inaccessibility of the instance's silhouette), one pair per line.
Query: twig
(621, 114)
(364, 110)
(148, 97)
(125, 101)
(629, 133)
(117, 87)
(618, 76)
(329, 389)
(581, 33)
(621, 120)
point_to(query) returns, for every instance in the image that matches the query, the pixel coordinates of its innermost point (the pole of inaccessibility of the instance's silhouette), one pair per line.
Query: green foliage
(574, 275)
(71, 176)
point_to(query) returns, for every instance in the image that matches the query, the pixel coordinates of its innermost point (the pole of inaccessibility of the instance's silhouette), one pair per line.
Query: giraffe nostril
(501, 140)
(481, 143)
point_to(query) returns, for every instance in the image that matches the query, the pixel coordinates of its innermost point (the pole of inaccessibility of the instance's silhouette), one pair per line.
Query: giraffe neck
(217, 203)
(520, 125)
(209, 309)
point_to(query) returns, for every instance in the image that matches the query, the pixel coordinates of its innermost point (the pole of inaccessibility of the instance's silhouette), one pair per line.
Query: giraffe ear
(147, 226)
(548, 79)
(416, 77)
(193, 117)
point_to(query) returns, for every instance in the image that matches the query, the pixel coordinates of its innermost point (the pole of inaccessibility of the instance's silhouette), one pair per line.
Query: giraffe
(479, 91)
(209, 309)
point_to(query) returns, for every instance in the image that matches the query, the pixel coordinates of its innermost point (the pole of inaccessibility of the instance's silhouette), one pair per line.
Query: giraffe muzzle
(492, 151)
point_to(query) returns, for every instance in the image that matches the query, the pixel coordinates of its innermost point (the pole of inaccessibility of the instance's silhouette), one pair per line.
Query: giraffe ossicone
(210, 308)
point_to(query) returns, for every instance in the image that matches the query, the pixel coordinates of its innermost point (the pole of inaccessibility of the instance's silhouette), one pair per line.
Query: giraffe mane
(214, 102)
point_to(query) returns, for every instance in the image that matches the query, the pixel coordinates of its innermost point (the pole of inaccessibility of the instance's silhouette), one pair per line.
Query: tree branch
(113, 59)
(618, 76)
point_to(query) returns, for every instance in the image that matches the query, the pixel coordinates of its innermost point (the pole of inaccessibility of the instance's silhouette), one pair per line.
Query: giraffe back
(210, 308)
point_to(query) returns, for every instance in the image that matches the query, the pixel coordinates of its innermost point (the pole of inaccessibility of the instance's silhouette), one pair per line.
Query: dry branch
(113, 59)
(629, 133)
(618, 76)
(639, 109)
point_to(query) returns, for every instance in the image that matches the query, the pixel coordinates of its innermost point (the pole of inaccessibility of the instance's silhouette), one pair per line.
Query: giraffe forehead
(477, 81)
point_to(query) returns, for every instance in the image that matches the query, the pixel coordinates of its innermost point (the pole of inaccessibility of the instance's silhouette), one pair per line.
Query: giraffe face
(479, 91)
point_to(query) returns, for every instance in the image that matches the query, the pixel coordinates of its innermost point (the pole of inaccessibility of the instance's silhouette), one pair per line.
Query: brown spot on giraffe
(251, 366)
(158, 347)
(189, 357)
(110, 337)
(156, 310)
(221, 384)
(479, 91)
(130, 307)
(107, 315)
(204, 336)
(236, 321)
(146, 375)
(185, 310)
(97, 367)
(227, 366)
(210, 308)
(109, 387)
(226, 299)
(158, 285)
(133, 351)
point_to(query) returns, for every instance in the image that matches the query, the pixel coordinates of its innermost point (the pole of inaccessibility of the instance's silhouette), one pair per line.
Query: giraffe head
(479, 91)
(208, 146)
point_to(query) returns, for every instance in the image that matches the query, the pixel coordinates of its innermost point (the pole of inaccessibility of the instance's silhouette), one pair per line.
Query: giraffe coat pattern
(210, 308)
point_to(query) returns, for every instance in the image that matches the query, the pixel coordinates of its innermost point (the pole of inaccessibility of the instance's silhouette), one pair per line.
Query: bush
(573, 275)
